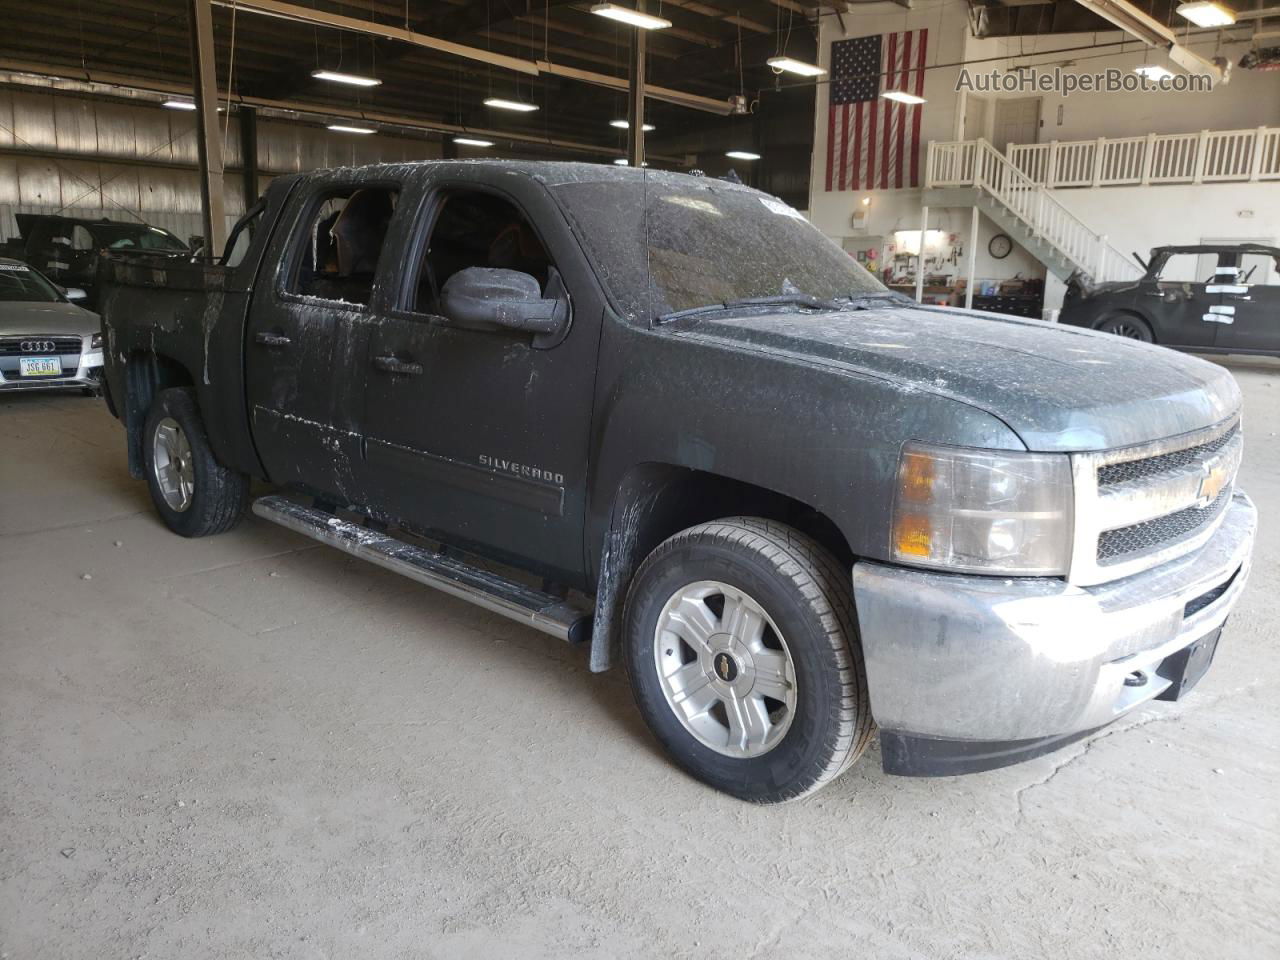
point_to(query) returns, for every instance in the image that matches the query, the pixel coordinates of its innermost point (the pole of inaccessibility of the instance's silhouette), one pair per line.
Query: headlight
(95, 341)
(983, 511)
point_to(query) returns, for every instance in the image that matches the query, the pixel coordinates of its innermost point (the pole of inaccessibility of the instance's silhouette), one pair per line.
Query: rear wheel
(742, 649)
(194, 494)
(1128, 326)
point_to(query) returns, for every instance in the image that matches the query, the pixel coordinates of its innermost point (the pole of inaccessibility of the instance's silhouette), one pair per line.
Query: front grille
(12, 346)
(1114, 473)
(1124, 542)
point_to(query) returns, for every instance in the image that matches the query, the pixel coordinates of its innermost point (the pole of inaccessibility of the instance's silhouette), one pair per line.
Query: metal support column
(208, 136)
(248, 119)
(973, 258)
(924, 232)
(635, 96)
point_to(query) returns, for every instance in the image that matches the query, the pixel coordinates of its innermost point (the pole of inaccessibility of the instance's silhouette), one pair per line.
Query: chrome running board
(542, 611)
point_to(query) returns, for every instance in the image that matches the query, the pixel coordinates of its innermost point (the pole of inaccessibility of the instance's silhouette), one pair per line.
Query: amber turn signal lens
(916, 477)
(911, 535)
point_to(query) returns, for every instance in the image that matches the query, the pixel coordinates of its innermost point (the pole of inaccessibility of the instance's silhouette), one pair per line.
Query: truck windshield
(19, 283)
(667, 244)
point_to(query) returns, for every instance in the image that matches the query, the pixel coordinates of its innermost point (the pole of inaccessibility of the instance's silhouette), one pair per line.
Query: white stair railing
(976, 163)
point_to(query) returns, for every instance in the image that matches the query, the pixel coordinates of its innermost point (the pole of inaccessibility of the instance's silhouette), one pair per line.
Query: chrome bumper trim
(992, 658)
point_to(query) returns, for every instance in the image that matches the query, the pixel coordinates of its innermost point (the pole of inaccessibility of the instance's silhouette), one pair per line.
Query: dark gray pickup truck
(663, 416)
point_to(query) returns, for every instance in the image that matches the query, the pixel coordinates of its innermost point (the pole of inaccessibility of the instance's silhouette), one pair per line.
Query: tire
(202, 497)
(805, 604)
(1129, 326)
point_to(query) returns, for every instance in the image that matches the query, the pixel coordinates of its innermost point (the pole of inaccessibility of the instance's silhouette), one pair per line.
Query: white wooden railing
(976, 163)
(1210, 156)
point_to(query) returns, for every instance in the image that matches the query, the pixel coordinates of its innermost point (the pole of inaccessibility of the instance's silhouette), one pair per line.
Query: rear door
(481, 436)
(308, 323)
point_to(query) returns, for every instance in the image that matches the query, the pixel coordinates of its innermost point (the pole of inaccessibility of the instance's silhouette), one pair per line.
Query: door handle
(396, 365)
(271, 339)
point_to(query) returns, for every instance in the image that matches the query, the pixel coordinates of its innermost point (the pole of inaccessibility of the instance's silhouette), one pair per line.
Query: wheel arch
(655, 501)
(146, 374)
(1131, 312)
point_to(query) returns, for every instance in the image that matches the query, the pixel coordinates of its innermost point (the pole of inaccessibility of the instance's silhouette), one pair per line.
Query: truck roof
(551, 172)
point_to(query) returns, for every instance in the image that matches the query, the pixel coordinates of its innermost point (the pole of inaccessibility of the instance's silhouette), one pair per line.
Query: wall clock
(1000, 246)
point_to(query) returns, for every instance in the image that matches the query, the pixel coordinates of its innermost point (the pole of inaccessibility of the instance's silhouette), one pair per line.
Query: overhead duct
(1152, 32)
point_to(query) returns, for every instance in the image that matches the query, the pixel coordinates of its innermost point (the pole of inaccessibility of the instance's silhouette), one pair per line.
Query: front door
(1175, 294)
(1252, 291)
(307, 330)
(477, 436)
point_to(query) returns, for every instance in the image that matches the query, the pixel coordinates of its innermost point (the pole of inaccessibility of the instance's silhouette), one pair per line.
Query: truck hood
(1059, 388)
(19, 317)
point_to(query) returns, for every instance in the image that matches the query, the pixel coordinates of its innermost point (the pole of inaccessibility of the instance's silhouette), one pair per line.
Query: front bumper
(974, 672)
(86, 372)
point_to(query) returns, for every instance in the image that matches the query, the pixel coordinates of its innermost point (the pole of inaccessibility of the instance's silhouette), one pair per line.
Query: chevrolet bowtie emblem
(1211, 484)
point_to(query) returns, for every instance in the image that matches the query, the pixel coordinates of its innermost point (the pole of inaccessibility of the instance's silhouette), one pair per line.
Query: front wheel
(742, 649)
(1128, 326)
(194, 494)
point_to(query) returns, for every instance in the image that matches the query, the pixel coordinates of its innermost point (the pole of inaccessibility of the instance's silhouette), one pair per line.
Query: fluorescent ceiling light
(630, 17)
(796, 66)
(1153, 72)
(626, 125)
(1207, 13)
(343, 128)
(742, 155)
(901, 96)
(622, 162)
(516, 105)
(353, 79)
(470, 142)
(179, 104)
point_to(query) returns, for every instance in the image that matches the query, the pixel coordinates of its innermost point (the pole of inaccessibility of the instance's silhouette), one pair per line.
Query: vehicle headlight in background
(983, 511)
(95, 341)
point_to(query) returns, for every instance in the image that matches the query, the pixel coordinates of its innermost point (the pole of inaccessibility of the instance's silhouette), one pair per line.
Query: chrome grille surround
(1137, 507)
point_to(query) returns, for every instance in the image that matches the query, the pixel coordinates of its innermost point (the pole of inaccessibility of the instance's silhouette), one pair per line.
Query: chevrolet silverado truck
(662, 416)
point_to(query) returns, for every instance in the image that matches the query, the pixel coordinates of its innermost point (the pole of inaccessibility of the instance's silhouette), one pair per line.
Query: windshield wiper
(776, 300)
(863, 301)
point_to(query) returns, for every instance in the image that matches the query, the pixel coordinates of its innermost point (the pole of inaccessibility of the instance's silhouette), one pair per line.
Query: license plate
(40, 367)
(1186, 667)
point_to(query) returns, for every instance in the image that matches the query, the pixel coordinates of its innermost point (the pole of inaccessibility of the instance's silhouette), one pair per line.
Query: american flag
(874, 143)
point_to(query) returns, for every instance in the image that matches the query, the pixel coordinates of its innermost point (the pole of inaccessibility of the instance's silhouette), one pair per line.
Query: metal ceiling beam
(290, 11)
(318, 112)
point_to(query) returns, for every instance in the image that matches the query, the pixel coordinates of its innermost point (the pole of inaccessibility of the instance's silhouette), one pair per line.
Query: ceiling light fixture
(796, 66)
(471, 142)
(517, 105)
(633, 18)
(901, 96)
(742, 155)
(179, 104)
(1207, 13)
(1153, 72)
(351, 79)
(626, 125)
(343, 128)
(622, 162)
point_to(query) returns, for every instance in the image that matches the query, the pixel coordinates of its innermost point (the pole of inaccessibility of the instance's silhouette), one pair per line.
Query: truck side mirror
(485, 298)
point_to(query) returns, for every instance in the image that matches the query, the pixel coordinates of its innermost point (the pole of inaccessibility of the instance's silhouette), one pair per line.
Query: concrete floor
(251, 746)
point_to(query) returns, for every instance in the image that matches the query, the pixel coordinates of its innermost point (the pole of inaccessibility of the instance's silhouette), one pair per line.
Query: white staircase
(974, 173)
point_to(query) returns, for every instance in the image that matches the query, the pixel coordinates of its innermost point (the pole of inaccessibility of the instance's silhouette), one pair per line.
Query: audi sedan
(46, 341)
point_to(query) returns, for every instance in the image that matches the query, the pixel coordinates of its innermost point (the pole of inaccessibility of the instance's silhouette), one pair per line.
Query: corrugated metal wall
(126, 161)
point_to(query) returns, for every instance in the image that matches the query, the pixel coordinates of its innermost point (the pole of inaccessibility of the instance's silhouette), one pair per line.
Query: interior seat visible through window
(345, 240)
(477, 230)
